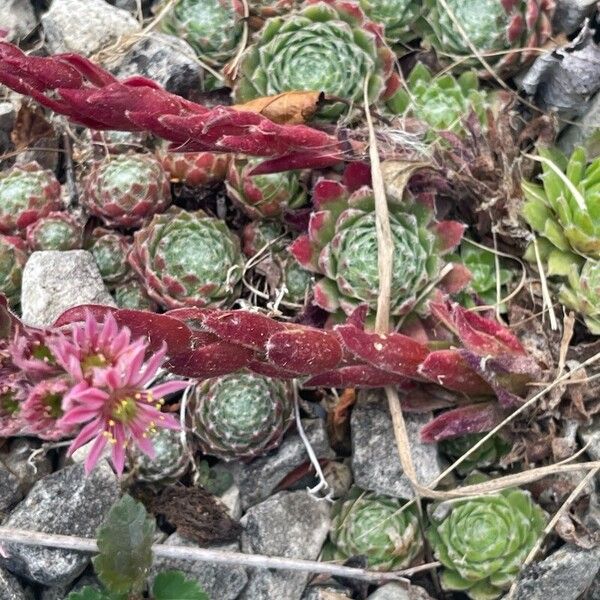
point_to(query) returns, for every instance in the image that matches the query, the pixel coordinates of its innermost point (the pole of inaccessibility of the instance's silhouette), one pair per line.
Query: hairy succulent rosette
(132, 294)
(188, 259)
(30, 352)
(27, 193)
(110, 251)
(14, 389)
(257, 234)
(212, 27)
(582, 293)
(119, 409)
(564, 210)
(13, 256)
(397, 16)
(83, 349)
(487, 455)
(442, 102)
(56, 231)
(264, 196)
(242, 415)
(125, 190)
(42, 409)
(484, 275)
(328, 46)
(483, 542)
(341, 247)
(298, 281)
(196, 169)
(170, 462)
(506, 33)
(377, 527)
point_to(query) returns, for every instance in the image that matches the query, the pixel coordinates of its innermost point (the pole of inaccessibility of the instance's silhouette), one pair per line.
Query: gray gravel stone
(222, 582)
(17, 18)
(66, 502)
(397, 591)
(290, 525)
(569, 14)
(10, 488)
(259, 479)
(54, 281)
(85, 26)
(566, 574)
(591, 435)
(7, 121)
(317, 592)
(10, 588)
(18, 459)
(44, 151)
(375, 462)
(164, 58)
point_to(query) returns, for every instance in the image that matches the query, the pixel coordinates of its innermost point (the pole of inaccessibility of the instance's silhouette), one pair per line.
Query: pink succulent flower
(90, 346)
(13, 391)
(115, 408)
(42, 409)
(30, 352)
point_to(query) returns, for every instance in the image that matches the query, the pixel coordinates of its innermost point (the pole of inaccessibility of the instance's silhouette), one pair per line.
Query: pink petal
(86, 434)
(94, 453)
(170, 387)
(118, 451)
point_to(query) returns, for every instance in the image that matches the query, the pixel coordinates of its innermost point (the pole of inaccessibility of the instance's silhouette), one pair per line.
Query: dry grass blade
(545, 291)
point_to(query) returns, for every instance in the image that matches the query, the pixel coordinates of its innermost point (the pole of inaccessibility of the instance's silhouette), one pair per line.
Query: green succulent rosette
(581, 292)
(264, 196)
(506, 34)
(188, 259)
(487, 455)
(397, 16)
(377, 527)
(328, 46)
(483, 542)
(482, 265)
(564, 210)
(170, 462)
(441, 102)
(341, 249)
(298, 281)
(257, 234)
(213, 28)
(241, 415)
(56, 231)
(132, 294)
(110, 252)
(13, 257)
(27, 193)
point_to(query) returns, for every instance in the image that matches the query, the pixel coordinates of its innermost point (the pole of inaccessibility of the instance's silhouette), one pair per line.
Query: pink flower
(92, 346)
(13, 391)
(43, 408)
(30, 353)
(114, 408)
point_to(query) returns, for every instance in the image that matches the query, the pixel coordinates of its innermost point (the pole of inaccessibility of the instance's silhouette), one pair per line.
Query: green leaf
(172, 585)
(125, 545)
(92, 593)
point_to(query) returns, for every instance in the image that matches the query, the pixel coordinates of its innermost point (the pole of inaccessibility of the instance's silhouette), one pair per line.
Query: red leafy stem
(73, 86)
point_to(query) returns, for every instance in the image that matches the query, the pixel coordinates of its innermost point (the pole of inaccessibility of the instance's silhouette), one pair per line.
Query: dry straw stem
(69, 542)
(545, 291)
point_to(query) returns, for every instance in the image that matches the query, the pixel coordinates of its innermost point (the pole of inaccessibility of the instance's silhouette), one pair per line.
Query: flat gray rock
(222, 582)
(258, 479)
(166, 59)
(569, 14)
(375, 462)
(66, 502)
(54, 281)
(10, 488)
(564, 575)
(397, 591)
(19, 459)
(317, 592)
(10, 588)
(85, 26)
(290, 525)
(18, 19)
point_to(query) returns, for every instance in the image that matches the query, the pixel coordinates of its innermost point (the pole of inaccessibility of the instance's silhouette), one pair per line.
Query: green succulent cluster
(241, 415)
(188, 259)
(110, 252)
(56, 231)
(564, 212)
(213, 28)
(487, 455)
(13, 257)
(397, 16)
(482, 265)
(132, 294)
(264, 196)
(170, 462)
(483, 542)
(323, 47)
(377, 527)
(443, 101)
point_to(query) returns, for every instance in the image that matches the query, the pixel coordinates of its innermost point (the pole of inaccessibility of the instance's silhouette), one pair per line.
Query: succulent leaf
(13, 257)
(56, 231)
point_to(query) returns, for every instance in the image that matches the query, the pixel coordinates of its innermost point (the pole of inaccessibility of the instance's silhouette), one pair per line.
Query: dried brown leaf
(338, 421)
(30, 126)
(287, 108)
